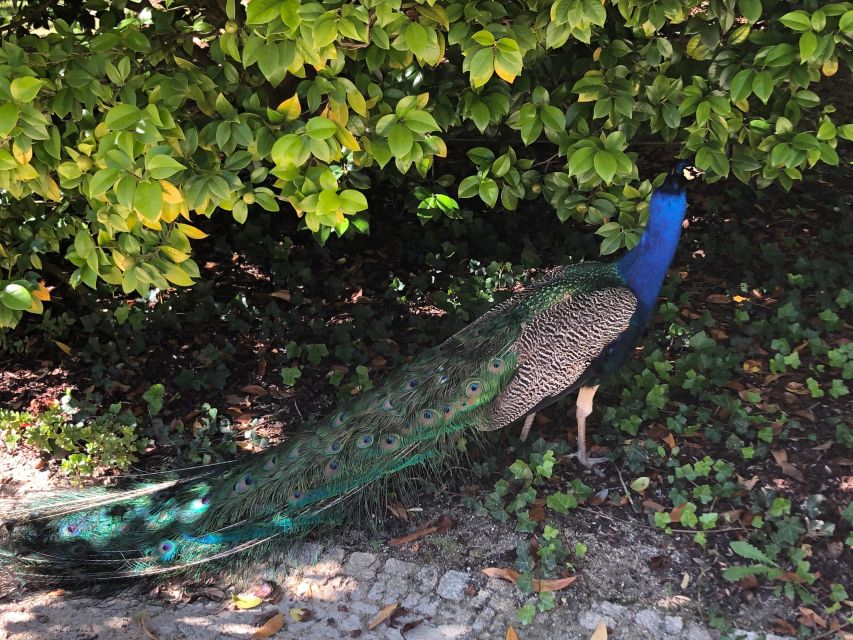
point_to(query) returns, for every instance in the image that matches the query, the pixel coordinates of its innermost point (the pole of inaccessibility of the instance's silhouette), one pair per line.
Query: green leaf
(148, 200)
(605, 165)
(416, 39)
(8, 118)
(352, 201)
(808, 45)
(469, 187)
(16, 297)
(762, 86)
(488, 191)
(262, 11)
(162, 166)
(287, 150)
(420, 121)
(562, 502)
(26, 88)
(746, 550)
(740, 86)
(797, 20)
(482, 67)
(319, 128)
(102, 181)
(122, 116)
(751, 9)
(400, 140)
(640, 484)
(553, 118)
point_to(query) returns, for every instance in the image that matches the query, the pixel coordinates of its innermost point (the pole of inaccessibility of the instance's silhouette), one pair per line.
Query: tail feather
(186, 521)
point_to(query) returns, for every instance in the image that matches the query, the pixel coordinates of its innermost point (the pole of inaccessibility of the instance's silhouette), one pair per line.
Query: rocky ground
(438, 587)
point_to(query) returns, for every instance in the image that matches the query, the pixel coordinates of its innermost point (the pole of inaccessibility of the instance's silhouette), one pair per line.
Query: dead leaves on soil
(539, 586)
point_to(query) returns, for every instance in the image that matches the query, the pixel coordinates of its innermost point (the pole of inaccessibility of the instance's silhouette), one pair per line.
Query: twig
(625, 488)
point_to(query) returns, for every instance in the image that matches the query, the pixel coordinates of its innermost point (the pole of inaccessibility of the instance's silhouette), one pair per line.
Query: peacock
(567, 331)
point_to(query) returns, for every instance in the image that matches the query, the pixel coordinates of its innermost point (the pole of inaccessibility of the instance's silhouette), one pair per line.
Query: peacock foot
(589, 462)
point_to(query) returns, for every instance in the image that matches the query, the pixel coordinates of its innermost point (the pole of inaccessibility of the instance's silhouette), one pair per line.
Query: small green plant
(82, 443)
(517, 497)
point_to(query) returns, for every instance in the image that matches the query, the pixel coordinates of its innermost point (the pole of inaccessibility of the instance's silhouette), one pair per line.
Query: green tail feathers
(314, 479)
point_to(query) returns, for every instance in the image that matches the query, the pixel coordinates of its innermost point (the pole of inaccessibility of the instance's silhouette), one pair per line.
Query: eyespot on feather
(427, 417)
(411, 384)
(332, 468)
(496, 366)
(271, 463)
(407, 429)
(363, 441)
(473, 389)
(449, 411)
(390, 442)
(334, 448)
(293, 454)
(244, 484)
(340, 419)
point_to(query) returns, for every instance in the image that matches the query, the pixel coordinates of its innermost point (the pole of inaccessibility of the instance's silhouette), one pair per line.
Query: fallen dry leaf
(269, 628)
(752, 366)
(718, 298)
(385, 614)
(600, 632)
(284, 294)
(398, 511)
(809, 618)
(651, 505)
(538, 585)
(246, 600)
(442, 524)
(254, 389)
(511, 634)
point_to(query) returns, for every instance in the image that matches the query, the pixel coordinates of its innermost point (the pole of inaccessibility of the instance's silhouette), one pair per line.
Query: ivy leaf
(562, 502)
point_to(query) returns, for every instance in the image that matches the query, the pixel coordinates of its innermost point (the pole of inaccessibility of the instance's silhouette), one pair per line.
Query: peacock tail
(571, 327)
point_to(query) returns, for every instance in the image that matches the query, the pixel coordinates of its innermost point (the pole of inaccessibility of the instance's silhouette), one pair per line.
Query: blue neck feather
(644, 267)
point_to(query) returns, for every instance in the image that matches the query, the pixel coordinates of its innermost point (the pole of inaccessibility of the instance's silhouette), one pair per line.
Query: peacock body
(568, 330)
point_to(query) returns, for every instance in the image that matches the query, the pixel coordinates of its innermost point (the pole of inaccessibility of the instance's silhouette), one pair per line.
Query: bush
(119, 133)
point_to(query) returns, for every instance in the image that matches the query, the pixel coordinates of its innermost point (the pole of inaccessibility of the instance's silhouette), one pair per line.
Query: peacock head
(680, 177)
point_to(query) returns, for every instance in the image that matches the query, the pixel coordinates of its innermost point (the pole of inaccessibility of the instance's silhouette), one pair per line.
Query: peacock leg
(525, 430)
(582, 410)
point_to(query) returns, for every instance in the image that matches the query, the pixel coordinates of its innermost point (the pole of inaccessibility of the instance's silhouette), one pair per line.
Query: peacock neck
(645, 266)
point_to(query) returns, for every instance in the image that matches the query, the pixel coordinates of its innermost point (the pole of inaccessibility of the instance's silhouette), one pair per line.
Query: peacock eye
(340, 419)
(387, 405)
(72, 529)
(443, 378)
(244, 484)
(364, 441)
(391, 442)
(205, 499)
(166, 547)
(294, 453)
(411, 384)
(333, 467)
(334, 448)
(427, 417)
(406, 429)
(473, 389)
(496, 366)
